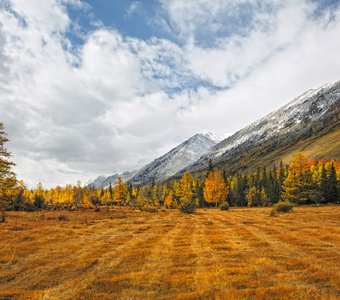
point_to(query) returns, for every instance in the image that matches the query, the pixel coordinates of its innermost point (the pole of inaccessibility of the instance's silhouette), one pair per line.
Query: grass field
(126, 254)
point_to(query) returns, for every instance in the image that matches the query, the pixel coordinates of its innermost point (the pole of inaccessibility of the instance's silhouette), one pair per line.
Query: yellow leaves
(215, 189)
(299, 165)
(120, 191)
(170, 201)
(186, 187)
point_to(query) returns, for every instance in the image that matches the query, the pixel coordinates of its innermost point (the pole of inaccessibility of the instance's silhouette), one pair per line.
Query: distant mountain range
(104, 181)
(165, 166)
(309, 123)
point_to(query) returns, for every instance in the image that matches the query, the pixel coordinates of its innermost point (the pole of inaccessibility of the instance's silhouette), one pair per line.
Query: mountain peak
(170, 163)
(214, 136)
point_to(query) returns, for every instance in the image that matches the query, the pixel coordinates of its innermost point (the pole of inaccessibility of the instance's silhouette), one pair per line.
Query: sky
(98, 87)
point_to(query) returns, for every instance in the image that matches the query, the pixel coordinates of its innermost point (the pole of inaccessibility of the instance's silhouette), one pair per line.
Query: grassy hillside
(213, 254)
(319, 145)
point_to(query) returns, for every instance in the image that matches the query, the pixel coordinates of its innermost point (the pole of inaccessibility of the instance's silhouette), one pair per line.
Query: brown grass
(125, 254)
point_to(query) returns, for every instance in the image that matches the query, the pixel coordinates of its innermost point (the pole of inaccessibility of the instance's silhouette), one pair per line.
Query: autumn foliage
(215, 190)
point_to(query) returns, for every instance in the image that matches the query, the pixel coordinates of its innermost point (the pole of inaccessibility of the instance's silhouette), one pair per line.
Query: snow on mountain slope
(215, 137)
(104, 182)
(97, 182)
(302, 117)
(173, 161)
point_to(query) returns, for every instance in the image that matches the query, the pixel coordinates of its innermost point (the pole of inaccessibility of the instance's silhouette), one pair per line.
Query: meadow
(119, 253)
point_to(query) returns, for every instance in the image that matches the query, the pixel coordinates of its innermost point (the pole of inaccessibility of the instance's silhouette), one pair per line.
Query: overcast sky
(99, 87)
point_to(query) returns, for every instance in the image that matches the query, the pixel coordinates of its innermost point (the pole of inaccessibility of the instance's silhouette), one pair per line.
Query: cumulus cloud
(113, 103)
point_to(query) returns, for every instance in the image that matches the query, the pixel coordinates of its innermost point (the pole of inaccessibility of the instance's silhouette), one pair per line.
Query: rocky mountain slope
(104, 182)
(300, 125)
(173, 161)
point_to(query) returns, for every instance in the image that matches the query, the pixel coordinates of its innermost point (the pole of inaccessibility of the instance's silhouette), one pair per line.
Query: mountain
(103, 181)
(309, 123)
(97, 182)
(214, 136)
(173, 161)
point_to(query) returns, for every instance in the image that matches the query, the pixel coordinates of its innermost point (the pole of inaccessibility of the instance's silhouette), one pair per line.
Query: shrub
(224, 206)
(282, 207)
(2, 216)
(148, 208)
(187, 207)
(63, 218)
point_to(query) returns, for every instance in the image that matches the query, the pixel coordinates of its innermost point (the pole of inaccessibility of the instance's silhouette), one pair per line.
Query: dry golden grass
(125, 254)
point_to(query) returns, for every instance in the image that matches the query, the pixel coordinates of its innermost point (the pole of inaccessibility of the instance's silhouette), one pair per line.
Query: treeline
(302, 182)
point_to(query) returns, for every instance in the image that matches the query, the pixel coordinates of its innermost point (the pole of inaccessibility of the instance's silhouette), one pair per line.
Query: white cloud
(134, 7)
(110, 106)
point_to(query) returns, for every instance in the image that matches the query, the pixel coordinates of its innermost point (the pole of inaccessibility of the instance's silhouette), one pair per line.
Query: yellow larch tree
(298, 184)
(186, 192)
(120, 191)
(215, 189)
(170, 201)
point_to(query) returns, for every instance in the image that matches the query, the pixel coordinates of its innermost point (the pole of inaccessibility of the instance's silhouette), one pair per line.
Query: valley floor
(125, 254)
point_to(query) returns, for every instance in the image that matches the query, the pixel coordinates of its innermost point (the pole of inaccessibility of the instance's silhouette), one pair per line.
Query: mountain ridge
(307, 115)
(173, 161)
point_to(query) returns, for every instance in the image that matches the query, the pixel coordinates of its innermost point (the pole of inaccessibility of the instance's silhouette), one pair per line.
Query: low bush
(148, 208)
(282, 207)
(2, 216)
(224, 206)
(187, 207)
(63, 218)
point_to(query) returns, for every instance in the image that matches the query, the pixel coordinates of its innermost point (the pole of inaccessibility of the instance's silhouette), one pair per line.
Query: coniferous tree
(7, 176)
(281, 177)
(215, 189)
(323, 182)
(120, 192)
(265, 180)
(298, 187)
(200, 193)
(187, 193)
(331, 194)
(241, 190)
(111, 191)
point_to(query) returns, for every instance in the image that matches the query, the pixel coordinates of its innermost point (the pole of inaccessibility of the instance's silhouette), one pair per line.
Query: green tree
(331, 194)
(7, 176)
(253, 197)
(323, 182)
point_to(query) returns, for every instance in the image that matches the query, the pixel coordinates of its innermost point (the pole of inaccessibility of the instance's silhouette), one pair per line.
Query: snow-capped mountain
(173, 161)
(104, 181)
(310, 115)
(215, 136)
(97, 182)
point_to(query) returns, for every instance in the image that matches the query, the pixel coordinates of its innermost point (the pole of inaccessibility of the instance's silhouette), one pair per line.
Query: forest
(301, 182)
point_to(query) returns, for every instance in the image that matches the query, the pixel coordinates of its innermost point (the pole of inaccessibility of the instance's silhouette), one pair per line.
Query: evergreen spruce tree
(281, 176)
(200, 193)
(265, 180)
(111, 191)
(323, 182)
(331, 194)
(7, 176)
